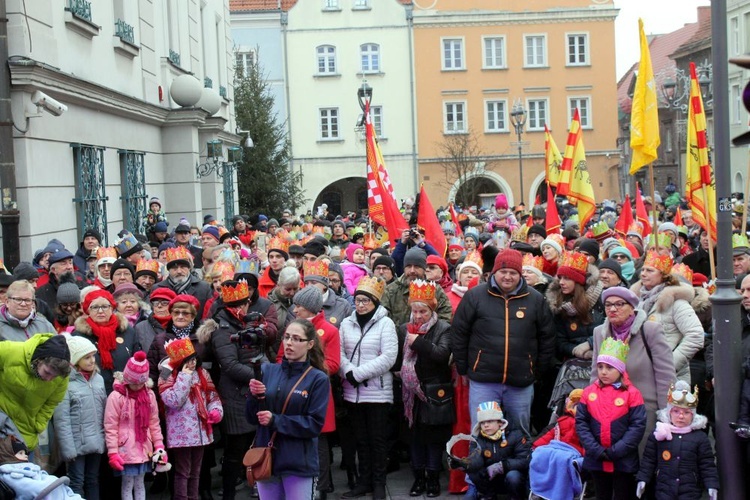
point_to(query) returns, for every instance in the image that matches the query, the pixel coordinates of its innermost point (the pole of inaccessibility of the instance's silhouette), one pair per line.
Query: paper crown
(106, 253)
(456, 242)
(520, 234)
(532, 261)
(125, 244)
(576, 261)
(476, 257)
(223, 270)
(663, 239)
(557, 238)
(179, 350)
(471, 230)
(234, 291)
(615, 349)
(370, 242)
(277, 243)
(246, 267)
(682, 398)
(147, 266)
(373, 285)
(422, 291)
(636, 229)
(447, 227)
(600, 229)
(177, 254)
(683, 271)
(740, 241)
(661, 262)
(315, 268)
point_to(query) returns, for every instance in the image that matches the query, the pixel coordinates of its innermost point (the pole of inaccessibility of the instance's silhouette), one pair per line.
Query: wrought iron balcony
(80, 8)
(174, 57)
(125, 31)
(208, 83)
(223, 91)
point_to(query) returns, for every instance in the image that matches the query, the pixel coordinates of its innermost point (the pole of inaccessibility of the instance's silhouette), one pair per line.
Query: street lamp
(518, 116)
(215, 159)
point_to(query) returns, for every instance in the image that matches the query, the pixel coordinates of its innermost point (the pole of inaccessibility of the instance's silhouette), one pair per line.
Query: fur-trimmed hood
(554, 293)
(82, 326)
(699, 421)
(205, 331)
(668, 295)
(700, 302)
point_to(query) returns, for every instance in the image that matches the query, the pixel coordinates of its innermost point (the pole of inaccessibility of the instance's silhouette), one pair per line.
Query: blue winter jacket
(295, 448)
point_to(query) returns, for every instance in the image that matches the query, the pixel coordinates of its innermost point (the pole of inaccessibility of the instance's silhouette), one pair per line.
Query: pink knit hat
(350, 249)
(136, 371)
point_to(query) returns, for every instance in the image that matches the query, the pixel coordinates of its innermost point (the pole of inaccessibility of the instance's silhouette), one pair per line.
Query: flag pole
(744, 201)
(707, 216)
(655, 231)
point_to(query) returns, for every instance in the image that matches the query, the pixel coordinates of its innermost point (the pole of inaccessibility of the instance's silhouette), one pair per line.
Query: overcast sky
(659, 16)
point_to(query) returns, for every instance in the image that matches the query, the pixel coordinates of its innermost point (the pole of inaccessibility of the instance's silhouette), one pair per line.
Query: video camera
(254, 336)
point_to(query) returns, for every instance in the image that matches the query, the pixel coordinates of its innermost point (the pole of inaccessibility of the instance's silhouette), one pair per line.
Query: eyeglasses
(615, 305)
(620, 256)
(362, 301)
(21, 302)
(160, 303)
(177, 312)
(334, 281)
(103, 308)
(681, 411)
(295, 339)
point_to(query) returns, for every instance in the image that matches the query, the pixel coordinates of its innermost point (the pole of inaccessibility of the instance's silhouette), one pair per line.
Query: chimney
(704, 15)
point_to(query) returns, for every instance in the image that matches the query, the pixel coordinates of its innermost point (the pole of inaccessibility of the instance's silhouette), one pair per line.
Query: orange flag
(427, 220)
(626, 217)
(641, 214)
(552, 223)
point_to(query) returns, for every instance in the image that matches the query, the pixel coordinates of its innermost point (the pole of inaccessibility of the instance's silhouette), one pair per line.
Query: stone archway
(487, 179)
(344, 195)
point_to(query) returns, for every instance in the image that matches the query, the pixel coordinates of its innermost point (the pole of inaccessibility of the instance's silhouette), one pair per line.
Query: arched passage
(344, 195)
(477, 184)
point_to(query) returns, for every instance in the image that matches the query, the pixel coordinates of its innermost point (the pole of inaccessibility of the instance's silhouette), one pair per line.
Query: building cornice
(424, 19)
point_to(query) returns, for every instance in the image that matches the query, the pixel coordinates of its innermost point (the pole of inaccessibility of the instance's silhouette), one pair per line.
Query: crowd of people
(308, 332)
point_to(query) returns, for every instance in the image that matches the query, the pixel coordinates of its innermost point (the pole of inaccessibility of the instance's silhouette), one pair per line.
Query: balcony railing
(223, 91)
(125, 31)
(208, 83)
(174, 57)
(80, 9)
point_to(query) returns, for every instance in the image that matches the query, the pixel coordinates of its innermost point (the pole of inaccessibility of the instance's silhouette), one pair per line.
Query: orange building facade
(474, 61)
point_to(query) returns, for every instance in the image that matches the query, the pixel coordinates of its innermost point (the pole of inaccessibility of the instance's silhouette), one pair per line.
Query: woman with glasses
(146, 331)
(18, 318)
(130, 303)
(288, 406)
(369, 347)
(649, 365)
(109, 331)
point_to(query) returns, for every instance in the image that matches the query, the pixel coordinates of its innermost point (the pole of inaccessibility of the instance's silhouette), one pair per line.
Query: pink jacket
(184, 426)
(119, 428)
(352, 274)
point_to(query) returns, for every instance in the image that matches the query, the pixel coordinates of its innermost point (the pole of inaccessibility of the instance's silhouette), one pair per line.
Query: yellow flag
(581, 191)
(699, 171)
(644, 113)
(552, 159)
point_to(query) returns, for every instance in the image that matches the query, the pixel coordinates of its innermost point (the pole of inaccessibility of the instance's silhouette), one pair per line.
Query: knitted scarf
(409, 379)
(446, 283)
(201, 393)
(142, 409)
(592, 296)
(106, 335)
(648, 297)
(163, 320)
(622, 332)
(178, 289)
(133, 318)
(181, 333)
(665, 430)
(21, 323)
(459, 290)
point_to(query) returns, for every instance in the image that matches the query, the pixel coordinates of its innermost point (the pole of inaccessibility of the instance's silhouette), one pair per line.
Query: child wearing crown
(681, 459)
(610, 421)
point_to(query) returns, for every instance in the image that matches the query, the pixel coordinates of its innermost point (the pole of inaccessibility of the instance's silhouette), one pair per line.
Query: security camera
(50, 105)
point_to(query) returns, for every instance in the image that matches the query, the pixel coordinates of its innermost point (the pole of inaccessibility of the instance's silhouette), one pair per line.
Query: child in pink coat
(354, 268)
(131, 426)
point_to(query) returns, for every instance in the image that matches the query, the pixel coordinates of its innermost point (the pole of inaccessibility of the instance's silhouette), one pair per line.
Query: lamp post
(518, 116)
(364, 97)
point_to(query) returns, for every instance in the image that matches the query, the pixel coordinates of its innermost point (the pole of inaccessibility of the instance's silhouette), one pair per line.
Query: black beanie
(489, 253)
(385, 260)
(590, 246)
(55, 347)
(537, 229)
(314, 247)
(122, 263)
(615, 267)
(25, 271)
(92, 232)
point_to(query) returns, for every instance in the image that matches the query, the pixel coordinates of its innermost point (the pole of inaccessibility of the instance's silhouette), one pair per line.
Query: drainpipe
(9, 215)
(284, 19)
(415, 166)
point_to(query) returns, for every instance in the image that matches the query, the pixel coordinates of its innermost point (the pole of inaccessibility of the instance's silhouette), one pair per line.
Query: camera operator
(410, 238)
(238, 344)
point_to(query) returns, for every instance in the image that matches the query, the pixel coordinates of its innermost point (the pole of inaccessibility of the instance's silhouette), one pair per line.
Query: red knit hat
(438, 261)
(162, 293)
(136, 371)
(183, 297)
(97, 294)
(508, 259)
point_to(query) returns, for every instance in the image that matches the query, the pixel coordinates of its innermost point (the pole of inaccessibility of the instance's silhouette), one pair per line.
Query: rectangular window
(455, 117)
(331, 5)
(329, 123)
(584, 110)
(244, 62)
(734, 36)
(536, 51)
(736, 103)
(537, 116)
(495, 119)
(326, 59)
(494, 52)
(376, 114)
(132, 172)
(361, 4)
(91, 189)
(668, 138)
(453, 54)
(578, 49)
(370, 54)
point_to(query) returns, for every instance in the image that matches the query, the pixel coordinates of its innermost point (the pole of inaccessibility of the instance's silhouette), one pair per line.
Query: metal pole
(9, 215)
(726, 300)
(520, 160)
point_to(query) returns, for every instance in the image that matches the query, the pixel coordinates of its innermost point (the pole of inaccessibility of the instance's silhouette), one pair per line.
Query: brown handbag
(257, 460)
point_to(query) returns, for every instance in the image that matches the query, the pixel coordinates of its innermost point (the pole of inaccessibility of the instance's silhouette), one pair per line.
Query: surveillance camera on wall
(50, 105)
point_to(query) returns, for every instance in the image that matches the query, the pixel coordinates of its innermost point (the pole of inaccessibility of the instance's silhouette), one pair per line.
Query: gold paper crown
(684, 271)
(315, 268)
(224, 270)
(600, 228)
(740, 241)
(106, 252)
(636, 228)
(234, 293)
(222, 232)
(476, 257)
(147, 266)
(532, 261)
(683, 398)
(371, 242)
(661, 262)
(374, 285)
(179, 253)
(178, 350)
(277, 243)
(520, 233)
(575, 260)
(422, 291)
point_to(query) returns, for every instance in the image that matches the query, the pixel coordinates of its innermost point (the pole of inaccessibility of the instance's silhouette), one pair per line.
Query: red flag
(552, 223)
(640, 212)
(427, 219)
(626, 217)
(454, 218)
(538, 199)
(678, 217)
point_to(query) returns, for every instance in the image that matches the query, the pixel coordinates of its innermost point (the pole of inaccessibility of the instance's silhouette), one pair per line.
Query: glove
(351, 379)
(214, 416)
(116, 462)
(743, 432)
(604, 456)
(495, 469)
(713, 494)
(580, 350)
(454, 463)
(640, 488)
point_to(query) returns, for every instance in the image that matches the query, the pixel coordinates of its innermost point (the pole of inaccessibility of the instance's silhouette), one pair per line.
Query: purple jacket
(184, 426)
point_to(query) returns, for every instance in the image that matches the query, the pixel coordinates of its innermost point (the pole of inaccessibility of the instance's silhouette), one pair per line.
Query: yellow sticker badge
(666, 455)
(441, 393)
(332, 320)
(487, 453)
(520, 314)
(321, 332)
(592, 397)
(573, 326)
(120, 340)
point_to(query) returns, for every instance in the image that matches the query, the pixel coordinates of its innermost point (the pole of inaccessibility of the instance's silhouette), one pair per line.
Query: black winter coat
(515, 455)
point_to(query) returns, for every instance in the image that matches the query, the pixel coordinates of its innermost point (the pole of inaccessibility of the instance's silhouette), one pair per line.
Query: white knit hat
(79, 347)
(553, 244)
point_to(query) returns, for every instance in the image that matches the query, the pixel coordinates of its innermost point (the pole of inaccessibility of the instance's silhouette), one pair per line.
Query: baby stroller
(574, 373)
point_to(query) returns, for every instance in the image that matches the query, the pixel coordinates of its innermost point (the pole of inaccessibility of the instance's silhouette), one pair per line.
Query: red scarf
(163, 320)
(106, 335)
(142, 409)
(200, 395)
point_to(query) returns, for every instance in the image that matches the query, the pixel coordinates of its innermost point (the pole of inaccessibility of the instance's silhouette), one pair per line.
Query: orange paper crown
(558, 239)
(475, 257)
(315, 268)
(178, 350)
(373, 285)
(636, 228)
(223, 270)
(147, 266)
(661, 262)
(683, 271)
(277, 243)
(371, 242)
(575, 260)
(179, 253)
(234, 293)
(108, 252)
(532, 261)
(422, 291)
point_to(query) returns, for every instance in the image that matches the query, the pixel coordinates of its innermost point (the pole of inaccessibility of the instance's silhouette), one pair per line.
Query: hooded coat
(79, 418)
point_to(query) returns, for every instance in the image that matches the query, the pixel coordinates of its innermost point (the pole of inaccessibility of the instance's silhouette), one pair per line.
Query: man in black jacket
(503, 338)
(180, 279)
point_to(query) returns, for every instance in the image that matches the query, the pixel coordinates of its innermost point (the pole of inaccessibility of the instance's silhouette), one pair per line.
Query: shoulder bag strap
(645, 344)
(286, 402)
